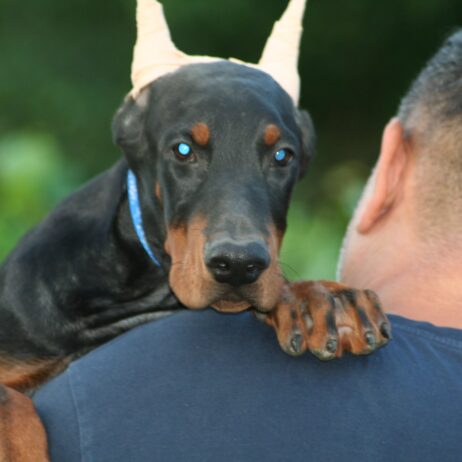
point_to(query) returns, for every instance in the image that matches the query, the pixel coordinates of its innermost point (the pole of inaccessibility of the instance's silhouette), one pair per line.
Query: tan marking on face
(271, 282)
(201, 134)
(22, 436)
(23, 376)
(272, 135)
(189, 278)
(196, 288)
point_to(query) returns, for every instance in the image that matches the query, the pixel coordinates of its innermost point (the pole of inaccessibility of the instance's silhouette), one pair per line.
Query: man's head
(411, 209)
(218, 148)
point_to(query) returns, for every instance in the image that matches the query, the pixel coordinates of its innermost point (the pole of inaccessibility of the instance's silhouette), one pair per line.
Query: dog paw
(328, 319)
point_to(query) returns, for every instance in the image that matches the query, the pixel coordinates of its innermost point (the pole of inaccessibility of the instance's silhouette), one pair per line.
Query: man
(203, 386)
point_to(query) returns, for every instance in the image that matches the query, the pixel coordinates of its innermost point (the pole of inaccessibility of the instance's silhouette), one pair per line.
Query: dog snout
(237, 263)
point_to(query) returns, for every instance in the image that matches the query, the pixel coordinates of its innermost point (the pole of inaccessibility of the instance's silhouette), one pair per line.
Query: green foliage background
(64, 69)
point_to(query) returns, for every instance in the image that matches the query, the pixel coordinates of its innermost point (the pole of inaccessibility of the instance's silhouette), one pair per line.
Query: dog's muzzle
(236, 263)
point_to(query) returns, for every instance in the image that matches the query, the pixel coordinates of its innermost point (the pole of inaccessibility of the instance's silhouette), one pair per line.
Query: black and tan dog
(192, 217)
(216, 150)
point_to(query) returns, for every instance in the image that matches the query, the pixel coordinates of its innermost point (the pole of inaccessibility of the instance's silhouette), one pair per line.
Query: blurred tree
(33, 178)
(65, 68)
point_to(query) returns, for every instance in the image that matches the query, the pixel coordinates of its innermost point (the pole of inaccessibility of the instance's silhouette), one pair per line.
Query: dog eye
(183, 151)
(283, 157)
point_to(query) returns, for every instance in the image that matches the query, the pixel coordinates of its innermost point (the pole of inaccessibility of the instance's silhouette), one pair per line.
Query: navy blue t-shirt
(200, 386)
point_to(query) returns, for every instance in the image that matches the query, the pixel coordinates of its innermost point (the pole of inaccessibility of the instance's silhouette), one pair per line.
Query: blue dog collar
(137, 218)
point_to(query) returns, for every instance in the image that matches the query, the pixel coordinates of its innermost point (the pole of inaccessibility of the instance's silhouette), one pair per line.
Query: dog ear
(128, 128)
(306, 126)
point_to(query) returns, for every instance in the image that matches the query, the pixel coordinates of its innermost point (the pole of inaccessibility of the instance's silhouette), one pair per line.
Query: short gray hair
(431, 115)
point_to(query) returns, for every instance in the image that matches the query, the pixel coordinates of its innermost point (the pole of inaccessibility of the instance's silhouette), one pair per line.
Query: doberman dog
(193, 216)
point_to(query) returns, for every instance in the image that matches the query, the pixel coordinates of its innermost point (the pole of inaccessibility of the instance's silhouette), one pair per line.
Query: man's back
(210, 387)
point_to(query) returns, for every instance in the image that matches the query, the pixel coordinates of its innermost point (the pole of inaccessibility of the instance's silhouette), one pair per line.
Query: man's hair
(431, 115)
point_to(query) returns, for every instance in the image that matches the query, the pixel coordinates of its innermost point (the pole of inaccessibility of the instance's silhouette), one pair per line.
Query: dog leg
(328, 319)
(27, 375)
(22, 436)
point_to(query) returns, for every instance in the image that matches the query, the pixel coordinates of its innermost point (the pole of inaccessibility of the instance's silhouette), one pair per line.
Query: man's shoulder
(427, 332)
(210, 337)
(205, 383)
(196, 345)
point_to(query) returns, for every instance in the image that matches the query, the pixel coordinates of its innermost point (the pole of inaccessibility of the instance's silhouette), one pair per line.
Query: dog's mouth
(233, 302)
(198, 287)
(262, 295)
(227, 306)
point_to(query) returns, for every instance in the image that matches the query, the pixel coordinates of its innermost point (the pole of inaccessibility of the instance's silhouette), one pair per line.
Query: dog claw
(385, 330)
(332, 345)
(323, 355)
(371, 340)
(296, 344)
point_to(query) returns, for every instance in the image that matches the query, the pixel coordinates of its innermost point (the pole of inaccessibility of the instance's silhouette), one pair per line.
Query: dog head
(220, 147)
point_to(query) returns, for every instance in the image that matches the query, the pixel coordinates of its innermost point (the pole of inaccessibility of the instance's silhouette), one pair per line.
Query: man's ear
(308, 139)
(128, 127)
(388, 177)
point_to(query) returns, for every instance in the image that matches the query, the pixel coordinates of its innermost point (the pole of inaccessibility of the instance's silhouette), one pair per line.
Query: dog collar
(137, 218)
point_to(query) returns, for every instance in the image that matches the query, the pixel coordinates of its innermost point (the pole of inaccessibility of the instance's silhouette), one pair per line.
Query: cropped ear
(128, 128)
(306, 126)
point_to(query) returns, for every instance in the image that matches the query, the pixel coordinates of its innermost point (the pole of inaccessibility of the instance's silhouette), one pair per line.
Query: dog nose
(237, 264)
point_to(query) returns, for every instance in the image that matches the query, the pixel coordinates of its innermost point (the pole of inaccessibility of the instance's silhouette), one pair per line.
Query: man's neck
(419, 282)
(425, 295)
